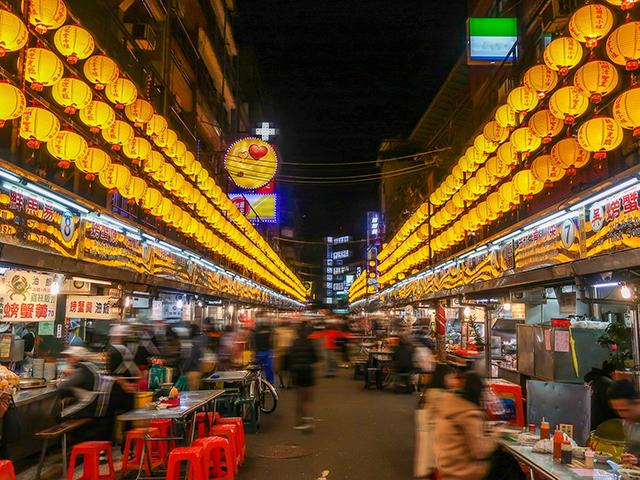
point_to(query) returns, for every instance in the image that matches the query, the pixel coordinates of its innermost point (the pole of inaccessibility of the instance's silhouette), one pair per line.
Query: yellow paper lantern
(163, 208)
(47, 15)
(506, 116)
(118, 134)
(196, 169)
(496, 203)
(178, 152)
(203, 176)
(600, 135)
(42, 68)
(545, 169)
(457, 172)
(458, 201)
(522, 99)
(497, 168)
(524, 140)
(166, 174)
(525, 184)
(72, 94)
(483, 213)
(590, 23)
(475, 188)
(562, 54)
(13, 102)
(122, 92)
(623, 45)
(508, 154)
(94, 162)
(151, 199)
(494, 133)
(568, 153)
(156, 126)
(626, 110)
(97, 115)
(568, 103)
(13, 33)
(139, 112)
(545, 125)
(38, 125)
(623, 4)
(67, 147)
(485, 179)
(153, 163)
(466, 193)
(101, 71)
(541, 79)
(474, 220)
(189, 161)
(475, 157)
(115, 176)
(465, 165)
(509, 194)
(596, 79)
(484, 145)
(134, 189)
(166, 140)
(74, 42)
(176, 185)
(137, 149)
(435, 198)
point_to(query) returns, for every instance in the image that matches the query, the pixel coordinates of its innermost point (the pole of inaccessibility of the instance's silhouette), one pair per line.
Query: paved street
(360, 434)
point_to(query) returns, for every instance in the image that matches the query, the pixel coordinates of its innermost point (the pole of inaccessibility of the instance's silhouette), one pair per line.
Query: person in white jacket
(444, 378)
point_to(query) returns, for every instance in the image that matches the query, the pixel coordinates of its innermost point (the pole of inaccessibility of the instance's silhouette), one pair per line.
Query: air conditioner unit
(555, 14)
(144, 35)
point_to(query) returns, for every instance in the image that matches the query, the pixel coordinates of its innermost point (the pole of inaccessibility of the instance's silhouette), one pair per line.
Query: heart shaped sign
(257, 151)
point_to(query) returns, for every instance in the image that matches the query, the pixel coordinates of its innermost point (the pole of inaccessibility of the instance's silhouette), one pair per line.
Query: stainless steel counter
(24, 397)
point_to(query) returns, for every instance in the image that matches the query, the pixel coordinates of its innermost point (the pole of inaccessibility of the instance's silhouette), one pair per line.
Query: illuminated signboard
(341, 254)
(251, 163)
(491, 40)
(258, 208)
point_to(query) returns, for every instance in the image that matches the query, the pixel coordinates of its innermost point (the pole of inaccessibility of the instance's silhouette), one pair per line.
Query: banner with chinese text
(101, 307)
(613, 224)
(26, 297)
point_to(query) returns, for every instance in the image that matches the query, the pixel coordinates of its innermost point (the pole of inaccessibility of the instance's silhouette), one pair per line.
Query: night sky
(340, 76)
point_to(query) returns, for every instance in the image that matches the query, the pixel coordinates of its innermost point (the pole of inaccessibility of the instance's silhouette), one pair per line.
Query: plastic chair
(230, 432)
(165, 429)
(135, 444)
(6, 470)
(204, 421)
(193, 455)
(217, 457)
(90, 453)
(237, 421)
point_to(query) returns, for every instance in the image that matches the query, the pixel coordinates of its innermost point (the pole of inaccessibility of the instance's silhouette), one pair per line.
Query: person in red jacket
(330, 333)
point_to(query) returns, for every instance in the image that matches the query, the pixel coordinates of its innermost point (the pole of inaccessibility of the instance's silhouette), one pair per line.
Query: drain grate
(282, 451)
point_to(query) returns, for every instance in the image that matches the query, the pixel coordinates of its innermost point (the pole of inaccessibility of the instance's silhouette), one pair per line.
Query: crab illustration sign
(251, 162)
(27, 297)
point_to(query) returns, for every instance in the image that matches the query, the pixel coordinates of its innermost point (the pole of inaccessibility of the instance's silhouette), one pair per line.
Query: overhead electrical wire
(338, 164)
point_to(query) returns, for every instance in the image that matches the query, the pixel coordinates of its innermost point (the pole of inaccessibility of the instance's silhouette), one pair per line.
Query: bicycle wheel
(268, 397)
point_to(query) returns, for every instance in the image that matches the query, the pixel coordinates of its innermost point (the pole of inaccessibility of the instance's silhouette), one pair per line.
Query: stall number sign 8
(67, 227)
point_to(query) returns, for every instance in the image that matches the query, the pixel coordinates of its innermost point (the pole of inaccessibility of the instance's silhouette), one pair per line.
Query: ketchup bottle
(544, 429)
(558, 438)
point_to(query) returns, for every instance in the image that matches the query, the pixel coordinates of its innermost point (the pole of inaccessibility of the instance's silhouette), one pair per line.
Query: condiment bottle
(588, 458)
(544, 429)
(566, 453)
(558, 438)
(532, 428)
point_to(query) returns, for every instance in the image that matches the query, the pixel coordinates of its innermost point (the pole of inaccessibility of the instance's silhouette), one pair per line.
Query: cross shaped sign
(265, 130)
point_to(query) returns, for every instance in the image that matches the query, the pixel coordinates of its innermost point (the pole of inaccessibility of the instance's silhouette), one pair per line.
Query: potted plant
(617, 338)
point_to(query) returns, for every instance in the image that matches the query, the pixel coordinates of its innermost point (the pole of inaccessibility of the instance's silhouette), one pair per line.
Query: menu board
(106, 246)
(27, 221)
(26, 297)
(100, 307)
(613, 224)
(548, 245)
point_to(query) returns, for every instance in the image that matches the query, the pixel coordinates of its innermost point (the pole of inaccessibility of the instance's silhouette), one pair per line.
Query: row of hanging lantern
(43, 68)
(485, 182)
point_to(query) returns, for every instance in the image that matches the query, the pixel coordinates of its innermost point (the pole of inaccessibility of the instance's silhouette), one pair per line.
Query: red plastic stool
(217, 457)
(204, 421)
(230, 432)
(90, 453)
(193, 455)
(165, 427)
(134, 442)
(237, 421)
(6, 470)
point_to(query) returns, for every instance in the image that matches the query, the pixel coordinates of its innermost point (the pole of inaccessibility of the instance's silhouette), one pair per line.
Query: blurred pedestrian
(226, 349)
(302, 357)
(284, 337)
(191, 349)
(263, 348)
(444, 378)
(330, 334)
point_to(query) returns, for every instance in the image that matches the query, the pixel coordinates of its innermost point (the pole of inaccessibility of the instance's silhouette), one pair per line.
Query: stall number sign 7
(568, 233)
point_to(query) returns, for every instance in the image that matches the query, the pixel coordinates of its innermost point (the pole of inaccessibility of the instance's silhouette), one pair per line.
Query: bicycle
(261, 389)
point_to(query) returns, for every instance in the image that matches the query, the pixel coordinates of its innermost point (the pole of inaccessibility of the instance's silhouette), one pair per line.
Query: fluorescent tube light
(606, 193)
